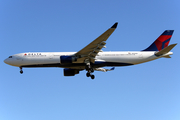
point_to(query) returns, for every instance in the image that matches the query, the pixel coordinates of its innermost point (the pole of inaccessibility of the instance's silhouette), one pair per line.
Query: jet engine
(70, 72)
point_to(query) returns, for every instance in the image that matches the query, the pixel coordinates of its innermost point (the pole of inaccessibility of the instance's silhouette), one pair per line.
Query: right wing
(103, 69)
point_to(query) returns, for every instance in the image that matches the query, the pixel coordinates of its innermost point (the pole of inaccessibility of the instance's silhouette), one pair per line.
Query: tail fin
(161, 42)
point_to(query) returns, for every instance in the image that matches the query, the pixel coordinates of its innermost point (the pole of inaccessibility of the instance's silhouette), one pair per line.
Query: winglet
(112, 68)
(115, 25)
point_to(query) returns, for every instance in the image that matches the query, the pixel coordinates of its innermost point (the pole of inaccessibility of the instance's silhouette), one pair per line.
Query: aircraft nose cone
(7, 61)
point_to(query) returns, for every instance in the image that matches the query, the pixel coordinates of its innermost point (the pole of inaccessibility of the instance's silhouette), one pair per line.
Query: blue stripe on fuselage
(111, 63)
(96, 64)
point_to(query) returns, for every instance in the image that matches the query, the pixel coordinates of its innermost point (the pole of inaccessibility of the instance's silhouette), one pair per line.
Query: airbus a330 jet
(91, 58)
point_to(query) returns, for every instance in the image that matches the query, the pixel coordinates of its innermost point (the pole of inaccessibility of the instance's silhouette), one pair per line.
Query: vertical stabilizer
(161, 42)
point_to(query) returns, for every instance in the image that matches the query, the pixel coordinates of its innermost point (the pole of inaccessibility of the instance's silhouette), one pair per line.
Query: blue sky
(147, 91)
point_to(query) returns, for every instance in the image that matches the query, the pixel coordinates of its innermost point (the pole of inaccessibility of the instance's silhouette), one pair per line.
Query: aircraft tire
(92, 76)
(88, 74)
(21, 72)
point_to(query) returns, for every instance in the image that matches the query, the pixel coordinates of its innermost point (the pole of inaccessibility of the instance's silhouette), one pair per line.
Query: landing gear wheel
(21, 72)
(92, 76)
(88, 74)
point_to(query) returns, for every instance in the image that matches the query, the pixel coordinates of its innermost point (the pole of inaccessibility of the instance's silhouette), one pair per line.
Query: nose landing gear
(21, 71)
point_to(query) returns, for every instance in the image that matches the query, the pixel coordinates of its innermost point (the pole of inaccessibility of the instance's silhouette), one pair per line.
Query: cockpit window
(10, 56)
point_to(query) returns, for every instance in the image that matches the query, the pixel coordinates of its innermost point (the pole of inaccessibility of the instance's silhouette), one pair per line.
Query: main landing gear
(89, 70)
(90, 75)
(21, 71)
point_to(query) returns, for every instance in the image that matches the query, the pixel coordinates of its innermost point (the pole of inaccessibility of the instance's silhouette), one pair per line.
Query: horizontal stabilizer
(165, 50)
(167, 56)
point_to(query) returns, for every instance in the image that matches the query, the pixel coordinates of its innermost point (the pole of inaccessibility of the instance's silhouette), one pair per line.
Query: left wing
(91, 50)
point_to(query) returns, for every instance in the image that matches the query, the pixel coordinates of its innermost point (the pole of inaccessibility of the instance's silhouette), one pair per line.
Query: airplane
(91, 58)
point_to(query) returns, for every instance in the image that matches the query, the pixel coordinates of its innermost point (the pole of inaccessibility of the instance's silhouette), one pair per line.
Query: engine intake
(67, 59)
(70, 72)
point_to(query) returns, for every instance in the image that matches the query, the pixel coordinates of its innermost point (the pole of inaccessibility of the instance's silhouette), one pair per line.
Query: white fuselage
(52, 59)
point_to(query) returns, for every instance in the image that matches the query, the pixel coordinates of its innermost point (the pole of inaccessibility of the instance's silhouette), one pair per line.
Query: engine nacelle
(70, 72)
(67, 59)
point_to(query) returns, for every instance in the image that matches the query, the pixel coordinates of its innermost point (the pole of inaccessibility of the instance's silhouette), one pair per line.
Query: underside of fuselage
(79, 65)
